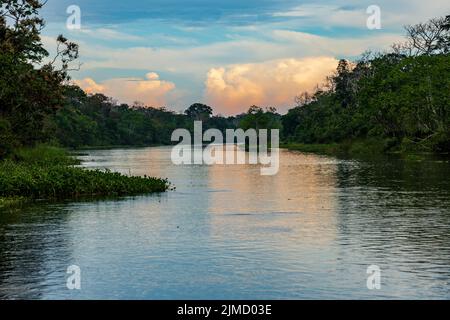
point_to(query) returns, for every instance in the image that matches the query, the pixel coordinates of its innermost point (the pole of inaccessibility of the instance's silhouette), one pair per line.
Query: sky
(229, 54)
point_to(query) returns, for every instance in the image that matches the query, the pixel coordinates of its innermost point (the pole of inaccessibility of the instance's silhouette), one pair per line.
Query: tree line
(400, 97)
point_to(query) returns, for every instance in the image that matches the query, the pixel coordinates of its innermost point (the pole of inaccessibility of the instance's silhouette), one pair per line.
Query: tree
(304, 99)
(392, 97)
(342, 82)
(432, 37)
(30, 90)
(256, 118)
(444, 42)
(199, 111)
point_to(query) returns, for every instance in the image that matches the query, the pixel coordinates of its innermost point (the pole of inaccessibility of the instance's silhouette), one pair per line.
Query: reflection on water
(227, 232)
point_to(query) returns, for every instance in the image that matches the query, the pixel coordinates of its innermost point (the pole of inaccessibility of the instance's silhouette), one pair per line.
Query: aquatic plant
(47, 173)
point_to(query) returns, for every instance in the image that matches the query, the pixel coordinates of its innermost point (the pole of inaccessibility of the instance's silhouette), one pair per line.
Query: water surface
(227, 232)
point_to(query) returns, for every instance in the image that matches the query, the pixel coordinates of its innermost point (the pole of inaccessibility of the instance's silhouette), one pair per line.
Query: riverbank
(47, 172)
(6, 203)
(327, 149)
(348, 148)
(112, 147)
(365, 147)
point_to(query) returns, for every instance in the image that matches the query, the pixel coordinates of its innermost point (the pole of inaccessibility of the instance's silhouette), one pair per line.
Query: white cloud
(152, 91)
(197, 63)
(198, 60)
(253, 45)
(328, 15)
(337, 47)
(234, 88)
(352, 13)
(108, 34)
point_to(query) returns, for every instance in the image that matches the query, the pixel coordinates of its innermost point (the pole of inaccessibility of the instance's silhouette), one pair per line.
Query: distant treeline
(95, 120)
(401, 97)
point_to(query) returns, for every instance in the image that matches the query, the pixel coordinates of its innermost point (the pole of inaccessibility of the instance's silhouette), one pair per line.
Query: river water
(226, 232)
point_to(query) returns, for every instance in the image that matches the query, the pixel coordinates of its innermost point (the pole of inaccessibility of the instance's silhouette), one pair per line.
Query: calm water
(230, 233)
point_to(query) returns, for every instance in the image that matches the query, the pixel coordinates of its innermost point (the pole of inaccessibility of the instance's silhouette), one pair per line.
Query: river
(227, 232)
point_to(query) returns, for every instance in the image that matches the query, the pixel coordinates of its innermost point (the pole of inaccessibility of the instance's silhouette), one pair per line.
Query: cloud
(151, 91)
(197, 60)
(90, 86)
(191, 66)
(193, 12)
(238, 13)
(234, 88)
(204, 40)
(337, 47)
(352, 13)
(108, 34)
(152, 76)
(331, 15)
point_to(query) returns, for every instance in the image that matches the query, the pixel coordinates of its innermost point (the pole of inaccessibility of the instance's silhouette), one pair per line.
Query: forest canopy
(400, 97)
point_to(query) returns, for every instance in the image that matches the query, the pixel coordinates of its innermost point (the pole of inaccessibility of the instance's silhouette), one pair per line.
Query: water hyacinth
(49, 176)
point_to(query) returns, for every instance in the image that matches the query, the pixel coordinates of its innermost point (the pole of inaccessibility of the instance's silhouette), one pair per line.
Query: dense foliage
(30, 90)
(36, 103)
(59, 181)
(398, 99)
(47, 172)
(401, 97)
(96, 120)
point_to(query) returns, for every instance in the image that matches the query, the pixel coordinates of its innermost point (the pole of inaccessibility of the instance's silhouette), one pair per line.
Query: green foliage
(29, 91)
(401, 101)
(20, 39)
(257, 118)
(199, 112)
(44, 155)
(7, 139)
(48, 176)
(11, 202)
(96, 120)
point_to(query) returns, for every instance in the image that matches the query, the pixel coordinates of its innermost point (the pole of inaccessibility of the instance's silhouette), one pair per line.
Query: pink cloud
(233, 89)
(151, 91)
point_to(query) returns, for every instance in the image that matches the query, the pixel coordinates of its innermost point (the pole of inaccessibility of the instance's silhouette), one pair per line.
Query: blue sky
(230, 54)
